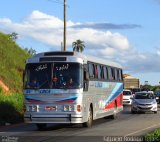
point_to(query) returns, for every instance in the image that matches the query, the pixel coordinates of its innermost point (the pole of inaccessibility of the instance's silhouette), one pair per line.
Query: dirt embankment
(3, 86)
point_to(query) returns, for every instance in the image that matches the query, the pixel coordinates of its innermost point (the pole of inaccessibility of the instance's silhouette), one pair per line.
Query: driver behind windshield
(33, 84)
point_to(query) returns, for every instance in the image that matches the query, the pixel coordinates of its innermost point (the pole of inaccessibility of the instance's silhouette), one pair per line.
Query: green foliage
(153, 136)
(13, 36)
(12, 63)
(151, 88)
(30, 51)
(11, 108)
(78, 45)
(1, 90)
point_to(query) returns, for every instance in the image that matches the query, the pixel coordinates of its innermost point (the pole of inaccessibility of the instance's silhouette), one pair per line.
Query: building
(130, 82)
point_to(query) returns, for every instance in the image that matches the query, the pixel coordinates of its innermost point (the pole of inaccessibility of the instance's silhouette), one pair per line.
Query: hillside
(12, 62)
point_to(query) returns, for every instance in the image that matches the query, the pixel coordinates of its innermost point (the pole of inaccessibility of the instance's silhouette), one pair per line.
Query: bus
(97, 91)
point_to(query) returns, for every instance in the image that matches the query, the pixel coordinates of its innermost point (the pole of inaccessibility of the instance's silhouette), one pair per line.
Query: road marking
(142, 130)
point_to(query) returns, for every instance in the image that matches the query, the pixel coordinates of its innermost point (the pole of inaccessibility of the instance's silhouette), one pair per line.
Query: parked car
(127, 94)
(143, 102)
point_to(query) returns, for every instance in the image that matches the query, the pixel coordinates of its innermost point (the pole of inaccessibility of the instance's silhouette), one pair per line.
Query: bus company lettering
(63, 67)
(45, 91)
(91, 84)
(28, 91)
(41, 67)
(98, 84)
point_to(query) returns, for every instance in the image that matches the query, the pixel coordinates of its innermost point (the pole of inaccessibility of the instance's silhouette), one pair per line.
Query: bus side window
(102, 72)
(95, 71)
(99, 71)
(120, 75)
(115, 73)
(110, 73)
(105, 72)
(91, 73)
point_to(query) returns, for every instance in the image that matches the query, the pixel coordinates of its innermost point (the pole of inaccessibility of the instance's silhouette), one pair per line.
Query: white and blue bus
(96, 90)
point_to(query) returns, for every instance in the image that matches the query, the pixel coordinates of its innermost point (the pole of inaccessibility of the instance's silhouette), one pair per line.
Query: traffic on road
(125, 125)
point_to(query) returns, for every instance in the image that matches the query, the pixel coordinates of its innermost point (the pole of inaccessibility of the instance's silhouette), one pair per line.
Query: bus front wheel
(90, 119)
(41, 126)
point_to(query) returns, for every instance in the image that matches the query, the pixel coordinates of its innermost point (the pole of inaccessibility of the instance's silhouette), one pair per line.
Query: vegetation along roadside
(12, 63)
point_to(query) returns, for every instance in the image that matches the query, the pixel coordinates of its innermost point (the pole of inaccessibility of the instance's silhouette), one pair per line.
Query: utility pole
(64, 34)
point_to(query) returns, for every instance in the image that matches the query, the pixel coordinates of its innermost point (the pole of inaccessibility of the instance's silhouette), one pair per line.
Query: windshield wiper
(43, 84)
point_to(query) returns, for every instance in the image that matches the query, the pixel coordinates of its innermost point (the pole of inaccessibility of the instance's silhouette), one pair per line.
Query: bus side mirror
(86, 79)
(86, 76)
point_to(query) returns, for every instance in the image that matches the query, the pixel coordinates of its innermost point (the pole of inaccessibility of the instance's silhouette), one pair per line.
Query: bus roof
(86, 58)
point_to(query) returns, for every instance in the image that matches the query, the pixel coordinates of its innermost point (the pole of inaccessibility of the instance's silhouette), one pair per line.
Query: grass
(12, 63)
(11, 108)
(153, 136)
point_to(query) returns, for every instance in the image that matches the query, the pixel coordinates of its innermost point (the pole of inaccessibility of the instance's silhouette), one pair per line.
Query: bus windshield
(67, 75)
(38, 76)
(53, 76)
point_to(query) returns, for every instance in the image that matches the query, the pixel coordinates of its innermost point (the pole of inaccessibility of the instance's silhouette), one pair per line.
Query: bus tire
(41, 126)
(89, 122)
(114, 116)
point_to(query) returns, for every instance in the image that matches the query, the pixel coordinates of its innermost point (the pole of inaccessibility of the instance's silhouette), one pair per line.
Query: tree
(78, 45)
(13, 36)
(30, 51)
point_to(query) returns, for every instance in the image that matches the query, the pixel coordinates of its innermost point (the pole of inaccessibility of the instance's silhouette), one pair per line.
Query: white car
(127, 94)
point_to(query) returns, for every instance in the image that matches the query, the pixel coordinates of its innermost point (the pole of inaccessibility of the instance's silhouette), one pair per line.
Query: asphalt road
(126, 127)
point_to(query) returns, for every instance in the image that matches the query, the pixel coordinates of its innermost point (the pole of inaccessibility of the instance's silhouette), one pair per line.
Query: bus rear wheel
(114, 116)
(90, 119)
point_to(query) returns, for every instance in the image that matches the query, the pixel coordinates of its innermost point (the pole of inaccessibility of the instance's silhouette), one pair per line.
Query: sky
(124, 31)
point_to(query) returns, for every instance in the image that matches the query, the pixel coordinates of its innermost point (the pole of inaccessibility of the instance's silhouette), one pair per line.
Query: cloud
(143, 63)
(106, 26)
(158, 51)
(48, 30)
(132, 60)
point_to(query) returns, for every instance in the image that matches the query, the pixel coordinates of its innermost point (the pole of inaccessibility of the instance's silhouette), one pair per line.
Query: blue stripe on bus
(30, 99)
(116, 92)
(63, 100)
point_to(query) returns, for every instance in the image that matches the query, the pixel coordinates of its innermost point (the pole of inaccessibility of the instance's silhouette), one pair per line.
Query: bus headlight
(32, 108)
(68, 108)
